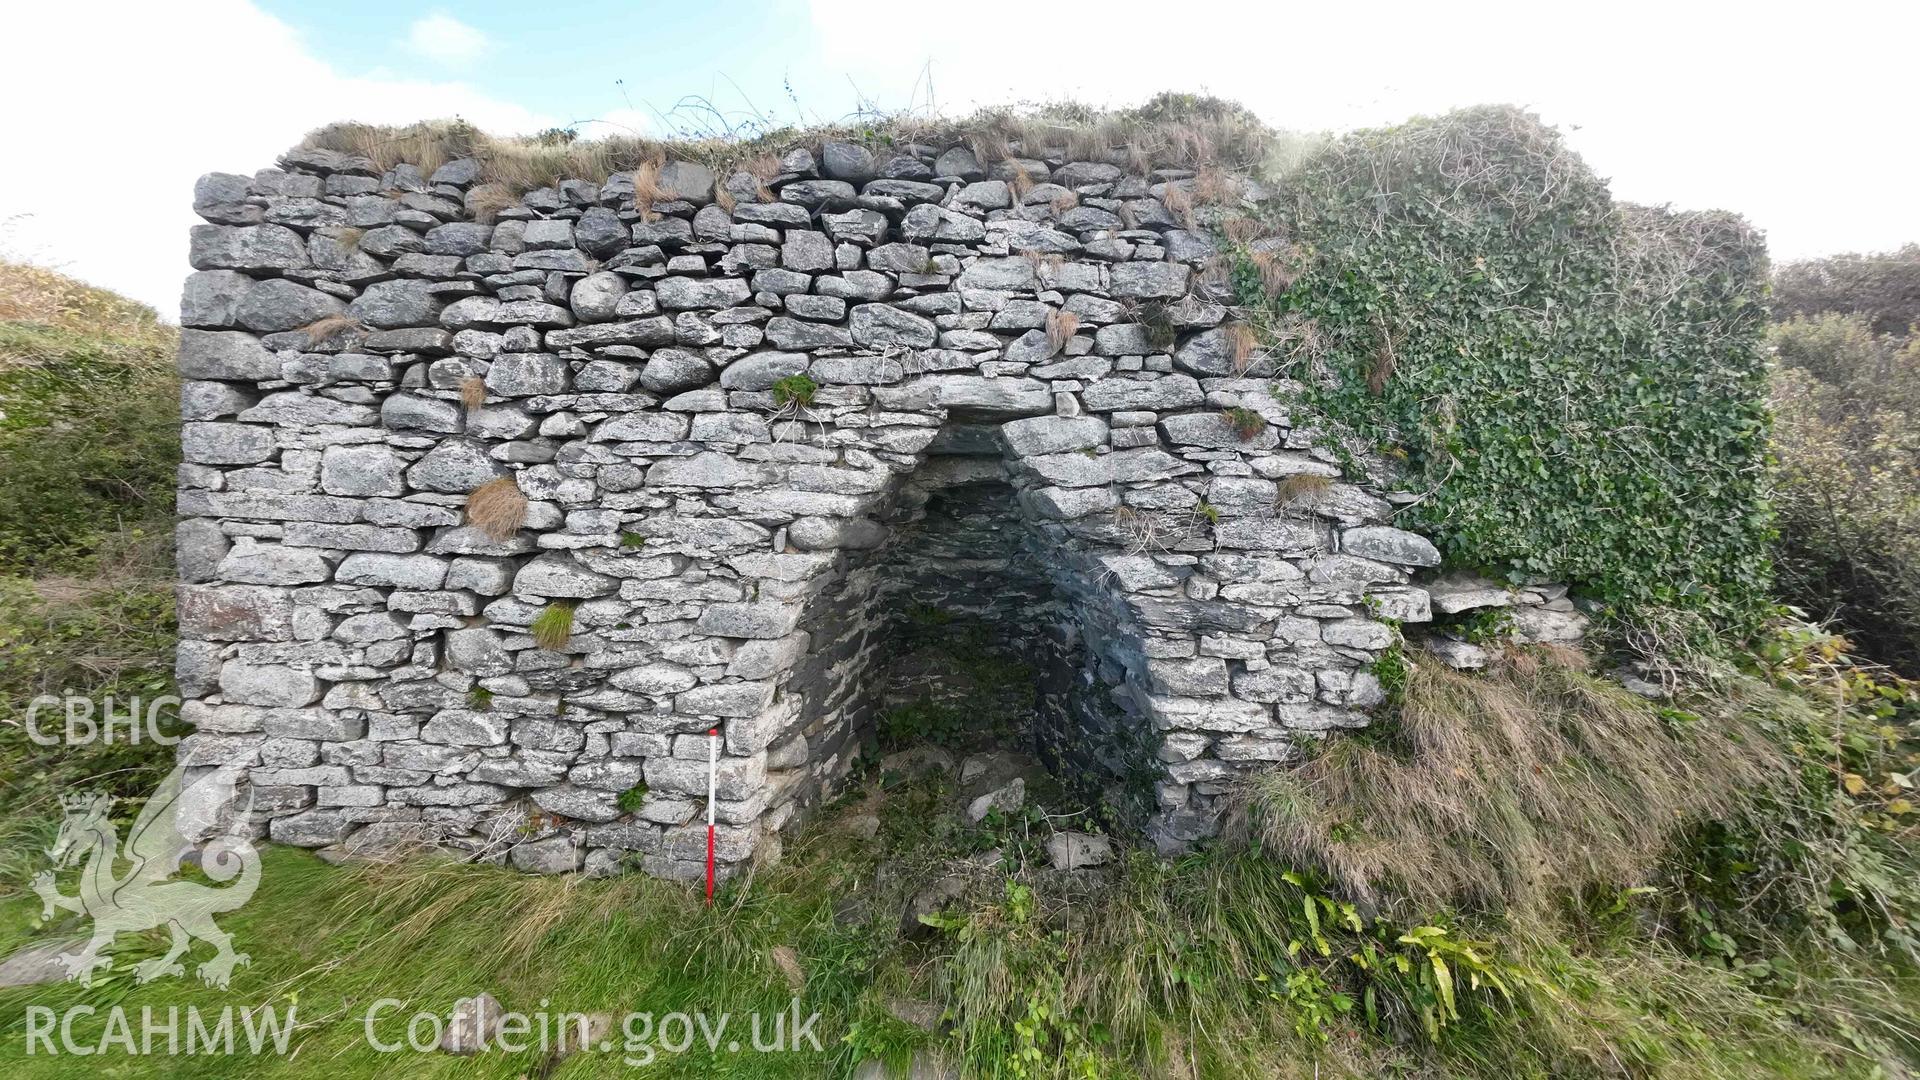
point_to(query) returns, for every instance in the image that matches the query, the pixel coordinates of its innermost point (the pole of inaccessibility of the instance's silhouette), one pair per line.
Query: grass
(1161, 331)
(1061, 326)
(1204, 966)
(88, 445)
(797, 390)
(1171, 130)
(87, 419)
(497, 508)
(329, 327)
(1507, 790)
(473, 393)
(429, 935)
(1241, 343)
(1247, 424)
(553, 627)
(1300, 487)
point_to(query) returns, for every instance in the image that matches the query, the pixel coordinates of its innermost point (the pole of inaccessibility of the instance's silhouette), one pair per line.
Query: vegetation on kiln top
(1170, 131)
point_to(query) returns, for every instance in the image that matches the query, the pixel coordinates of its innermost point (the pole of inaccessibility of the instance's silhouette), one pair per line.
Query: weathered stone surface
(670, 371)
(528, 375)
(681, 294)
(596, 297)
(398, 571)
(273, 685)
(211, 298)
(474, 1025)
(1209, 353)
(785, 333)
(362, 470)
(1163, 393)
(411, 412)
(277, 304)
(209, 354)
(387, 304)
(1464, 592)
(559, 575)
(253, 563)
(761, 370)
(1390, 545)
(846, 161)
(251, 247)
(1216, 431)
(226, 444)
(1149, 280)
(456, 466)
(1010, 274)
(462, 238)
(1078, 850)
(878, 326)
(1053, 434)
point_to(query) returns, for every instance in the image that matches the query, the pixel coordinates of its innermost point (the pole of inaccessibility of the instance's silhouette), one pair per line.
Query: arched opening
(978, 627)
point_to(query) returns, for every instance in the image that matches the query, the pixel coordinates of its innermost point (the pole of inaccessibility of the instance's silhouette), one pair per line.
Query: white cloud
(106, 131)
(446, 40)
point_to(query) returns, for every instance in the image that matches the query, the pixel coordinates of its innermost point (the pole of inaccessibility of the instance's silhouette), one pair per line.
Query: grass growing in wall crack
(1305, 488)
(1246, 424)
(497, 508)
(327, 328)
(553, 627)
(473, 393)
(794, 390)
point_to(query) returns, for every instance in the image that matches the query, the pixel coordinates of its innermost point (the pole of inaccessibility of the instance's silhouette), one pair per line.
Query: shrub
(88, 447)
(1846, 402)
(1154, 316)
(1467, 278)
(89, 435)
(1883, 288)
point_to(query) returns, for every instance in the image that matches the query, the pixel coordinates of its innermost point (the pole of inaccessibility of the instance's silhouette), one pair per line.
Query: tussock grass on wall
(473, 393)
(553, 627)
(1183, 131)
(497, 508)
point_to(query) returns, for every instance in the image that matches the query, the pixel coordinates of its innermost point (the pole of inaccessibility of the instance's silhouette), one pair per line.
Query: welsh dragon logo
(143, 898)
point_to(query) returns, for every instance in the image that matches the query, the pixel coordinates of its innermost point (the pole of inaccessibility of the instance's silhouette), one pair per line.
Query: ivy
(1578, 385)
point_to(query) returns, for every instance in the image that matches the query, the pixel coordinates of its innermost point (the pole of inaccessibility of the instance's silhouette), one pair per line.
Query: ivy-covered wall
(1576, 387)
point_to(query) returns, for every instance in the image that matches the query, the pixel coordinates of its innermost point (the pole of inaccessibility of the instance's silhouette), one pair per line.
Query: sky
(1801, 119)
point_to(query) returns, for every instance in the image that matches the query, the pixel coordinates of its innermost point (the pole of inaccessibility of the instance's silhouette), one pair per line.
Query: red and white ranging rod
(713, 766)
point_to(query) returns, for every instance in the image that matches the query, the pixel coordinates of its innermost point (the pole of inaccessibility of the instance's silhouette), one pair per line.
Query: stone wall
(1015, 405)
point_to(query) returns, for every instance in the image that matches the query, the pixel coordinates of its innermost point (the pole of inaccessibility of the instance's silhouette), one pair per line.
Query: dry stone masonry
(759, 421)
